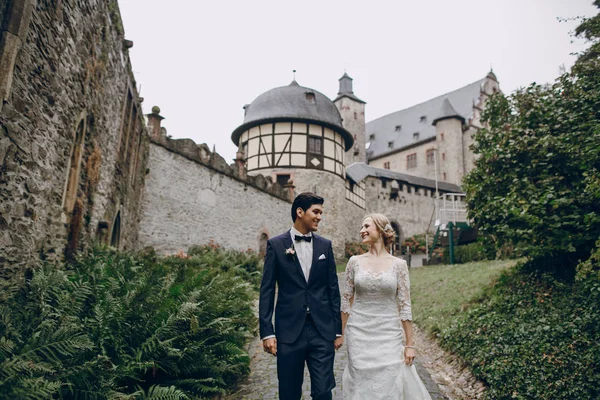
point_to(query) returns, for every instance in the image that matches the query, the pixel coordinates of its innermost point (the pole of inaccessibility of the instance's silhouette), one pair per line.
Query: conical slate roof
(446, 112)
(293, 103)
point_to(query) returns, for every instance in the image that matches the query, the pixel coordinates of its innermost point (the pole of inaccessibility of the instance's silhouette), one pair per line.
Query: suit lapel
(287, 243)
(316, 253)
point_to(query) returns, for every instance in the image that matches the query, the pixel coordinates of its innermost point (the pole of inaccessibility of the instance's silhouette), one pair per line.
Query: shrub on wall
(120, 325)
(416, 244)
(355, 249)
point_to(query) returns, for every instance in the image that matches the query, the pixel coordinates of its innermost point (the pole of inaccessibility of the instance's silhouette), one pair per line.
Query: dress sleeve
(348, 292)
(403, 292)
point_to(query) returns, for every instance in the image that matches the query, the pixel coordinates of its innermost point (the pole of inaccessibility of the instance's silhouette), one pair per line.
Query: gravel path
(441, 374)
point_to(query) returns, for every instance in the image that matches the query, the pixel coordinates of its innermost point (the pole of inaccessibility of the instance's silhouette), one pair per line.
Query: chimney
(290, 188)
(240, 164)
(154, 128)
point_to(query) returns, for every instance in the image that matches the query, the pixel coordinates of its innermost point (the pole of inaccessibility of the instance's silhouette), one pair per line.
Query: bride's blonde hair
(384, 227)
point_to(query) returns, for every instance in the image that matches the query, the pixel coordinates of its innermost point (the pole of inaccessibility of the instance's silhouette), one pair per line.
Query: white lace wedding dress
(374, 335)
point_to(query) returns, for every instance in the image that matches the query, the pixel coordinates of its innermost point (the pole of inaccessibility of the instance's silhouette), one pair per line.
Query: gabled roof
(359, 171)
(410, 120)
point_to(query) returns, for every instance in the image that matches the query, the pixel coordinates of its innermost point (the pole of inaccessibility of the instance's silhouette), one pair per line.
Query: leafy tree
(536, 181)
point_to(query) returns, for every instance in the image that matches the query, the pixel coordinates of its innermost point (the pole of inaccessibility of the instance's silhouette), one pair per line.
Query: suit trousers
(318, 354)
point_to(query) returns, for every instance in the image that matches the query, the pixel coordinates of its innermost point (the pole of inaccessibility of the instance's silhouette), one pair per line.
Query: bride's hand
(409, 355)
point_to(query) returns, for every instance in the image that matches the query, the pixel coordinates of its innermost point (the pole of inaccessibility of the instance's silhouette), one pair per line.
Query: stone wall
(192, 197)
(411, 208)
(68, 165)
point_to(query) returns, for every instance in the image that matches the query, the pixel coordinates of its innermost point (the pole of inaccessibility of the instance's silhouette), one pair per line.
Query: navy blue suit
(301, 337)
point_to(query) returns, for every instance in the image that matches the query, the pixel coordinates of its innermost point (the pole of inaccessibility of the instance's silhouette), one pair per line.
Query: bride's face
(369, 232)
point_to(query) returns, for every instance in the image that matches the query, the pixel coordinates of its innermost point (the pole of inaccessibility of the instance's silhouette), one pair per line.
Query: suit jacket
(320, 294)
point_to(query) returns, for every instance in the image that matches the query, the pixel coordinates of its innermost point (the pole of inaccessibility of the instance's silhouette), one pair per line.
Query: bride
(376, 311)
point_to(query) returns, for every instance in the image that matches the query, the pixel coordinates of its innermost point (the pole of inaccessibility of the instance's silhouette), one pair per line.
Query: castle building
(79, 162)
(434, 137)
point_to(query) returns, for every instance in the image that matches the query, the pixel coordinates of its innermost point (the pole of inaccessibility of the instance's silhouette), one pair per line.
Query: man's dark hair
(305, 201)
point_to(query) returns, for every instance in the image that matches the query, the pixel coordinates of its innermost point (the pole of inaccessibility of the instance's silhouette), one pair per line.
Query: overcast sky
(201, 61)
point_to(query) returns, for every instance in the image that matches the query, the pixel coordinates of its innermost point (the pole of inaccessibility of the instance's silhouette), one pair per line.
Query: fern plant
(124, 326)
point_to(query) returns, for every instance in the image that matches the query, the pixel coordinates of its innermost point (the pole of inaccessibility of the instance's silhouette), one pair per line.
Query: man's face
(310, 218)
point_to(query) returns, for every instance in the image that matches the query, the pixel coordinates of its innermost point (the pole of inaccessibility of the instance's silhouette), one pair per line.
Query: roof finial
(294, 71)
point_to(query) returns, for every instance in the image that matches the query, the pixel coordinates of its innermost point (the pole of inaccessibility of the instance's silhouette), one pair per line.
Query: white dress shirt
(304, 251)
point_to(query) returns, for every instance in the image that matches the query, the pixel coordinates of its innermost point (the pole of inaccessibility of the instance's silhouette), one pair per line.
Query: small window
(442, 136)
(398, 128)
(411, 161)
(310, 97)
(386, 165)
(314, 145)
(416, 136)
(283, 179)
(355, 116)
(372, 137)
(391, 144)
(430, 154)
(444, 176)
(443, 156)
(383, 183)
(423, 118)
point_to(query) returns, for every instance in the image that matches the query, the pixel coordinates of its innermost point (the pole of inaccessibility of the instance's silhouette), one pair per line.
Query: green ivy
(532, 337)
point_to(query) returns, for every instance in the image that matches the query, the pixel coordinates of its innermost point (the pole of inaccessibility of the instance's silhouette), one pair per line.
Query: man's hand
(339, 341)
(270, 345)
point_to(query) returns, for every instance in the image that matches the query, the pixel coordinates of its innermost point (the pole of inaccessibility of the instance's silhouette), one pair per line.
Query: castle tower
(449, 137)
(352, 110)
(296, 133)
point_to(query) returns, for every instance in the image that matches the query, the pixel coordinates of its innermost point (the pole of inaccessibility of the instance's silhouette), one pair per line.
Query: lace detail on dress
(403, 291)
(348, 293)
(374, 334)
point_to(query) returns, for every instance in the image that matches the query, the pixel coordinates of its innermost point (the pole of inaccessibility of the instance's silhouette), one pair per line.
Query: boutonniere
(291, 252)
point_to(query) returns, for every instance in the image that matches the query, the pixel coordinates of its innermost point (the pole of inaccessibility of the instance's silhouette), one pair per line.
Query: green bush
(416, 243)
(466, 253)
(532, 337)
(355, 249)
(117, 325)
(536, 181)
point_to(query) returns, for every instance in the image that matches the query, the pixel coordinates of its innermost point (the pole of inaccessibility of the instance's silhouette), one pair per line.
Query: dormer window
(391, 144)
(372, 137)
(310, 97)
(423, 118)
(398, 128)
(416, 136)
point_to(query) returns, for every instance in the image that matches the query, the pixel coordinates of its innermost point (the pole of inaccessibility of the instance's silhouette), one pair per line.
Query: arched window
(397, 246)
(72, 183)
(262, 244)
(115, 237)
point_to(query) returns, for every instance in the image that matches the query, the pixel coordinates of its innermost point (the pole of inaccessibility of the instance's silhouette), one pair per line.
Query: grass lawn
(440, 291)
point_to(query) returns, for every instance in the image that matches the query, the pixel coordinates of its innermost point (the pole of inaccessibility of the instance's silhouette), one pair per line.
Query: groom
(308, 325)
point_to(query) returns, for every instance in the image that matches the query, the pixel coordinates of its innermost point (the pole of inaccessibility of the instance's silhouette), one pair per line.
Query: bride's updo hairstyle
(384, 227)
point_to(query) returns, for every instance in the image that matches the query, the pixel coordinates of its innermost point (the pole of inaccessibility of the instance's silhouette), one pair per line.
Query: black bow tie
(307, 238)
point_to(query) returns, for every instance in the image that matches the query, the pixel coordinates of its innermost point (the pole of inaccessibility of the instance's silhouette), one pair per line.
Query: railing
(453, 209)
